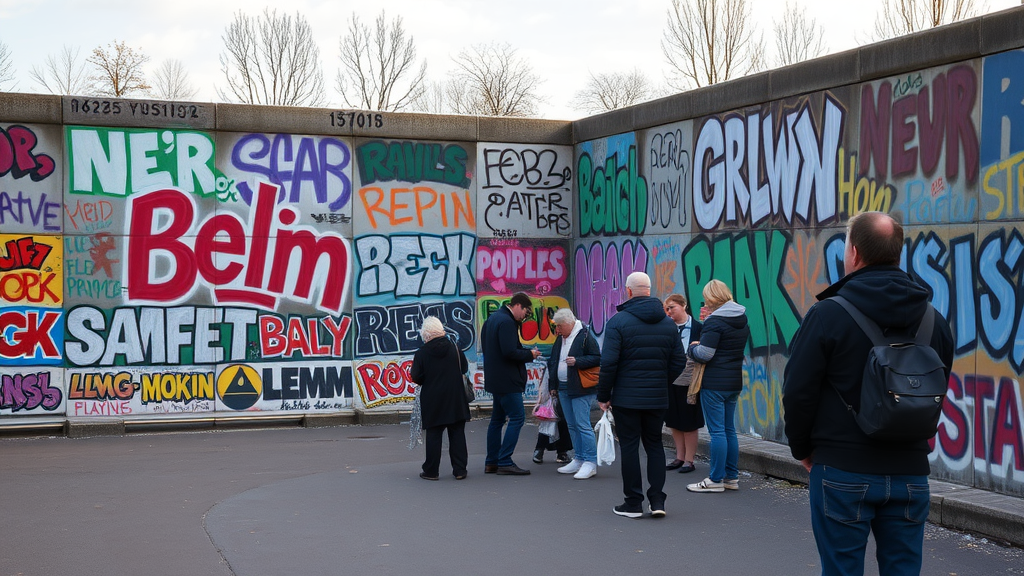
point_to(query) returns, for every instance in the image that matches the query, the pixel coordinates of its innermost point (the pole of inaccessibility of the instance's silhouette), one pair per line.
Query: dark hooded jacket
(438, 367)
(641, 356)
(829, 352)
(726, 331)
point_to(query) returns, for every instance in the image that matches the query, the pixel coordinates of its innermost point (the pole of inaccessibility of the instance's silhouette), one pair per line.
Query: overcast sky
(563, 40)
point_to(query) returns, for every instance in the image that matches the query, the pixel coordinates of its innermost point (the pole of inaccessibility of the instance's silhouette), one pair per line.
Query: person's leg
(841, 516)
(564, 442)
(651, 422)
(899, 526)
(494, 430)
(679, 439)
(569, 410)
(457, 450)
(432, 442)
(732, 450)
(512, 405)
(713, 405)
(690, 444)
(627, 427)
(584, 441)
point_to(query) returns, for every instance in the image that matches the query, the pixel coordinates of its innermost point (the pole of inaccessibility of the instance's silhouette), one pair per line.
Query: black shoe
(425, 477)
(563, 458)
(657, 510)
(490, 468)
(538, 456)
(675, 464)
(460, 476)
(688, 468)
(512, 470)
(628, 511)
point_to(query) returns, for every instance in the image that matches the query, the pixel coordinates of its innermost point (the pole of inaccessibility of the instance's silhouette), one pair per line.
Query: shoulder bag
(467, 385)
(588, 376)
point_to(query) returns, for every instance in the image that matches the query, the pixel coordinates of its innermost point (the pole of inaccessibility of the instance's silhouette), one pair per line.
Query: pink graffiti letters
(17, 158)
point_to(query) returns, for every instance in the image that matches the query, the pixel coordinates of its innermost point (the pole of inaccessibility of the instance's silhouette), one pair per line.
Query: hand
(554, 393)
(536, 353)
(694, 343)
(808, 463)
(605, 405)
(570, 361)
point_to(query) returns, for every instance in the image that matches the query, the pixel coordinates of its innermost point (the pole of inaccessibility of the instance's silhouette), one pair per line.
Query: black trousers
(456, 448)
(564, 442)
(633, 427)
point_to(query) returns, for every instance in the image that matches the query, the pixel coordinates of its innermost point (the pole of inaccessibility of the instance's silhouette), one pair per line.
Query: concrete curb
(953, 506)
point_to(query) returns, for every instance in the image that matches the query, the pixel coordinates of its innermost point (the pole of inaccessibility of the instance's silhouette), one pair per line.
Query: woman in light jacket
(438, 367)
(722, 342)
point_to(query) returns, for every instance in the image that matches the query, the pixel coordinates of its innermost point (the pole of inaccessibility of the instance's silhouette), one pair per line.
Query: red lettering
(208, 244)
(297, 339)
(29, 335)
(338, 332)
(312, 326)
(963, 90)
(143, 241)
(369, 374)
(874, 132)
(272, 342)
(980, 388)
(954, 437)
(1006, 430)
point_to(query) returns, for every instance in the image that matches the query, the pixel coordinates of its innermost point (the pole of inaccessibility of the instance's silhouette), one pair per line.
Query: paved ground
(347, 500)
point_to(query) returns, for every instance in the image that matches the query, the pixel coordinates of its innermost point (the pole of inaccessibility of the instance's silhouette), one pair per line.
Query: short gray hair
(639, 282)
(563, 316)
(432, 328)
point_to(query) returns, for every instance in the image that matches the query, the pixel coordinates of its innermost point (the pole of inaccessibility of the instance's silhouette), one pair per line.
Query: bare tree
(6, 68)
(491, 80)
(378, 68)
(118, 70)
(901, 17)
(433, 98)
(272, 59)
(798, 38)
(170, 82)
(604, 92)
(711, 41)
(62, 73)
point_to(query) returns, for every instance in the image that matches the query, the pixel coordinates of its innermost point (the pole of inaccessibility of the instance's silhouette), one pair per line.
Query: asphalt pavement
(348, 500)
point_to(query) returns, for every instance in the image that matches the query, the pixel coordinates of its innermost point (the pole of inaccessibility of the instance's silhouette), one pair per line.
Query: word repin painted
(243, 262)
(799, 165)
(296, 164)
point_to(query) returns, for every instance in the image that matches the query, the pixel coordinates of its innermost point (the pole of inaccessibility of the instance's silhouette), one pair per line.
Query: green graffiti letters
(613, 199)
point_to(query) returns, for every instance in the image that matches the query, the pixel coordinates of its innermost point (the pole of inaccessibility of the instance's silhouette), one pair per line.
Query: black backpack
(904, 381)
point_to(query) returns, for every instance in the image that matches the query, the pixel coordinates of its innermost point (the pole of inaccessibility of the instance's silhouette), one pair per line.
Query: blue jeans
(577, 416)
(845, 506)
(720, 418)
(505, 406)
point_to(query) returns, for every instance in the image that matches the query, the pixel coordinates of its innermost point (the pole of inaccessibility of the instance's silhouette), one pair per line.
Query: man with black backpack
(860, 409)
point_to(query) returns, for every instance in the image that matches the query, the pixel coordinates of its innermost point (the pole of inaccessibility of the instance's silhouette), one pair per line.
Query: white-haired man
(575, 348)
(642, 356)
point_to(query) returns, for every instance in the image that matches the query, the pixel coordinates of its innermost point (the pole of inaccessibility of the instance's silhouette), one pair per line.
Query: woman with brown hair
(683, 419)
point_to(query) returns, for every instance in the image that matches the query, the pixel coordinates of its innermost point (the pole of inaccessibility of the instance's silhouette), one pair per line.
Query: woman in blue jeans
(722, 342)
(575, 349)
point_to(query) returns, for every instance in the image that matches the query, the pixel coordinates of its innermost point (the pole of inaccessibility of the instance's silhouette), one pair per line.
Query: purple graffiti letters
(28, 392)
(309, 161)
(601, 273)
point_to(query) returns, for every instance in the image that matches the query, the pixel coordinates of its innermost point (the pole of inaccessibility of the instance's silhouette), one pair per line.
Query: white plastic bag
(549, 428)
(605, 440)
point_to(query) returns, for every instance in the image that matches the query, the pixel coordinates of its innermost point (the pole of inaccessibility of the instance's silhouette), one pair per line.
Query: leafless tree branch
(6, 68)
(378, 67)
(170, 82)
(711, 41)
(798, 38)
(62, 73)
(491, 80)
(604, 92)
(901, 17)
(272, 59)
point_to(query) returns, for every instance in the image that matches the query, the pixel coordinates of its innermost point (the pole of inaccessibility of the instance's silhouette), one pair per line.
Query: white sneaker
(733, 484)
(572, 467)
(706, 485)
(588, 470)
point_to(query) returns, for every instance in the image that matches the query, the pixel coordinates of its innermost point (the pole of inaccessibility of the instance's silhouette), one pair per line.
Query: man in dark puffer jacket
(642, 356)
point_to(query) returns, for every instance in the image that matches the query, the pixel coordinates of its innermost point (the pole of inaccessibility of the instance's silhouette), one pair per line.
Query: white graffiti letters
(416, 265)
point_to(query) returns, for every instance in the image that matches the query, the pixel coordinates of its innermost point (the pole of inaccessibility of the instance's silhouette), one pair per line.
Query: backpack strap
(923, 334)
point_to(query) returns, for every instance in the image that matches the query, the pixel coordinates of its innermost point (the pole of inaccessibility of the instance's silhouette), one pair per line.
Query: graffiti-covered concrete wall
(169, 259)
(757, 194)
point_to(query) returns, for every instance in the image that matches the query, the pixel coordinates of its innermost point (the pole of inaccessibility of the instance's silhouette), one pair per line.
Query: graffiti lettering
(157, 335)
(120, 162)
(423, 199)
(17, 157)
(600, 273)
(416, 265)
(176, 387)
(1004, 181)
(529, 168)
(20, 209)
(248, 251)
(545, 210)
(302, 336)
(537, 328)
(382, 382)
(613, 198)
(24, 253)
(669, 169)
(90, 216)
(106, 386)
(995, 443)
(939, 112)
(295, 163)
(31, 335)
(28, 391)
(860, 194)
(798, 165)
(543, 268)
(412, 162)
(737, 260)
(305, 382)
(392, 330)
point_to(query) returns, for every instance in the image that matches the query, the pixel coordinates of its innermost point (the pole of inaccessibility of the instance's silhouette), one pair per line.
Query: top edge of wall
(35, 108)
(964, 40)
